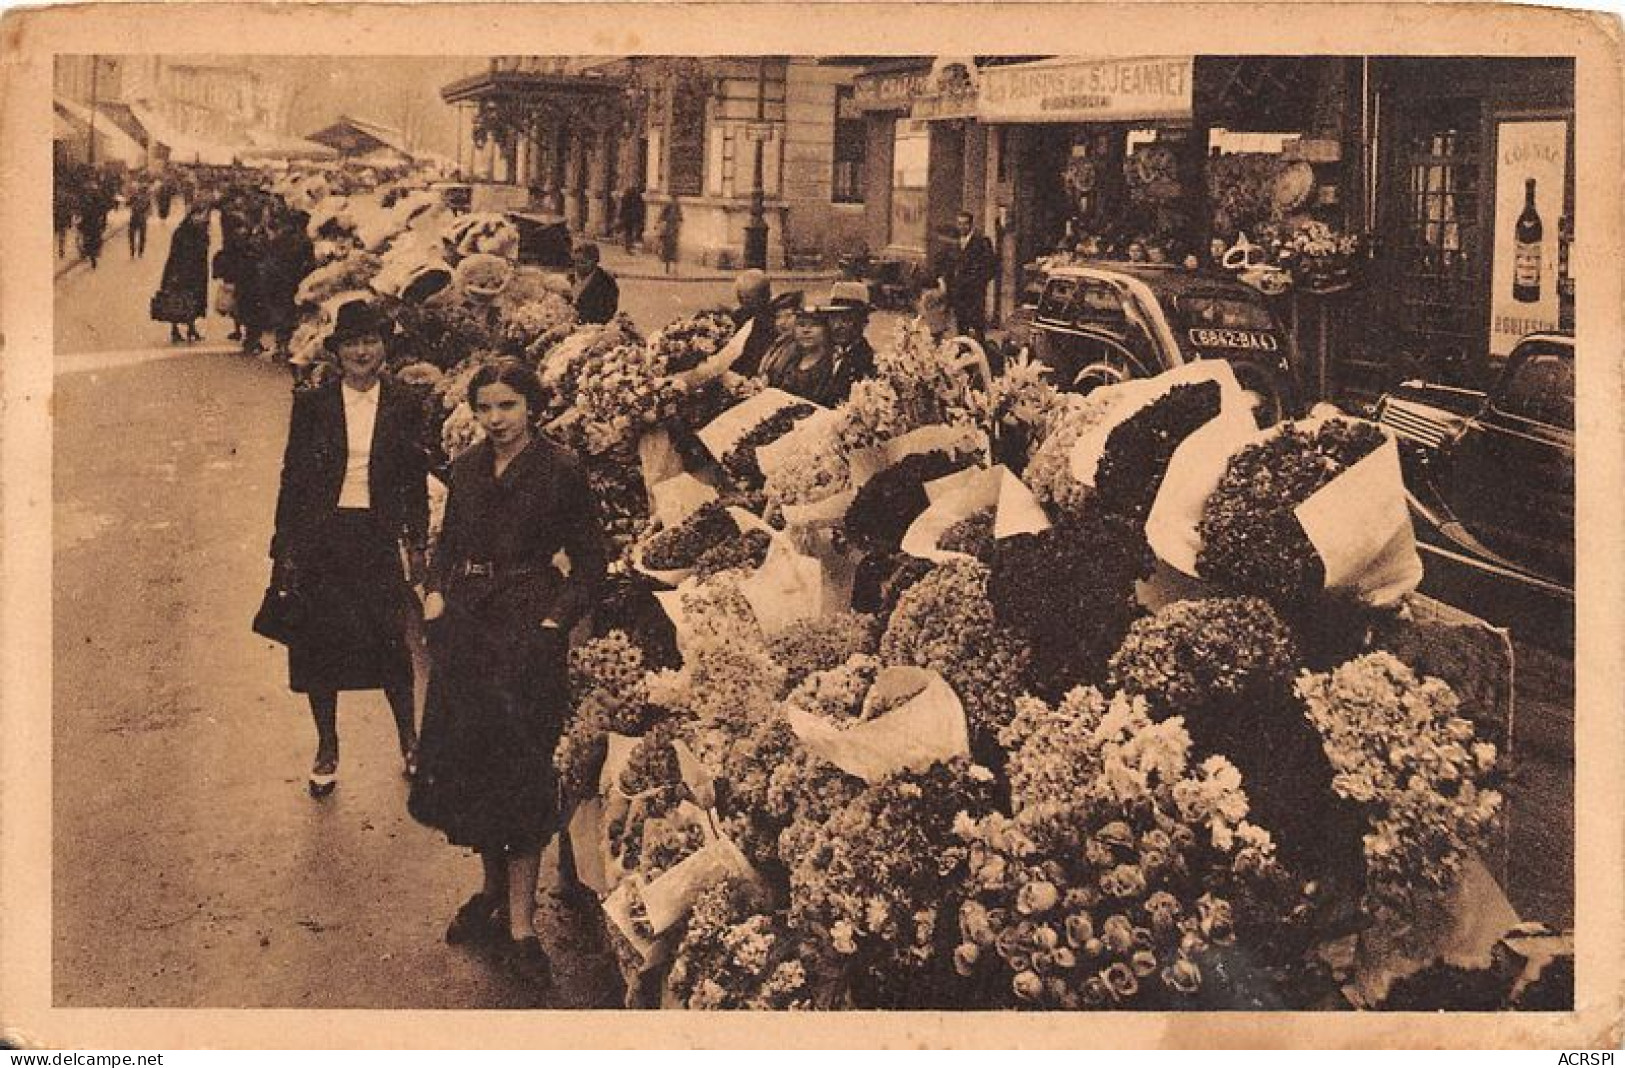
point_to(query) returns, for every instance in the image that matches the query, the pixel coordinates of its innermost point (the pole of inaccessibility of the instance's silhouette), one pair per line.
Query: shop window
(911, 154)
(851, 149)
(1438, 230)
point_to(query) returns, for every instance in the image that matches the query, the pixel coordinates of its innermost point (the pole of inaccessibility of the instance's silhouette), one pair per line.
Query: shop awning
(111, 141)
(182, 147)
(1076, 89)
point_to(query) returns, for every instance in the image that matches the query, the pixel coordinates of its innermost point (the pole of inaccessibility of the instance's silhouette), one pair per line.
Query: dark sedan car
(1490, 476)
(1100, 323)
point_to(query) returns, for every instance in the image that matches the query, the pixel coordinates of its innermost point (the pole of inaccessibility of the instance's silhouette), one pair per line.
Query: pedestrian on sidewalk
(93, 207)
(164, 195)
(140, 202)
(671, 222)
(289, 256)
(352, 519)
(594, 291)
(61, 211)
(500, 614)
(632, 217)
(183, 293)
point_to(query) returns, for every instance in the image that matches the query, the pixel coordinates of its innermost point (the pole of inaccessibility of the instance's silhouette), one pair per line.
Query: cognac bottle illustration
(1526, 250)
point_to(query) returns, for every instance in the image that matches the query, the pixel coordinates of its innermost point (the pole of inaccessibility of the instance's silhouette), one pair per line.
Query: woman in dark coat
(288, 257)
(501, 612)
(353, 504)
(671, 223)
(805, 362)
(186, 272)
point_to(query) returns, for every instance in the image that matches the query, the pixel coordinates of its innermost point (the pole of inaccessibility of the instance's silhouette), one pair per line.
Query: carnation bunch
(1070, 592)
(972, 535)
(871, 882)
(886, 505)
(945, 623)
(1138, 450)
(746, 550)
(622, 394)
(1415, 767)
(808, 472)
(740, 461)
(838, 693)
(1251, 540)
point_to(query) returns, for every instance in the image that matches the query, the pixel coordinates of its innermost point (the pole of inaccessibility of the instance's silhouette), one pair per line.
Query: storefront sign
(952, 91)
(1530, 172)
(889, 92)
(1088, 90)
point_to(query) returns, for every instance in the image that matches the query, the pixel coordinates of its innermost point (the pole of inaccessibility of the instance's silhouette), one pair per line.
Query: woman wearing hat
(501, 611)
(804, 363)
(351, 520)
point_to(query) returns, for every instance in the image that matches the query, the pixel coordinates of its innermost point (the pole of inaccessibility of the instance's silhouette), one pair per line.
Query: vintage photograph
(1050, 533)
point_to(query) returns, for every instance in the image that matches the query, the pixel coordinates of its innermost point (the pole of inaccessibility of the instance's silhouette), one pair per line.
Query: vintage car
(1490, 475)
(1102, 322)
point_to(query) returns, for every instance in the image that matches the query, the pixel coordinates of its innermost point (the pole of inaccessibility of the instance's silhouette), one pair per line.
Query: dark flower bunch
(737, 953)
(1138, 450)
(740, 461)
(1227, 666)
(443, 333)
(623, 503)
(820, 643)
(871, 883)
(627, 603)
(945, 623)
(1251, 540)
(1069, 591)
(886, 505)
(682, 546)
(746, 550)
(696, 405)
(579, 756)
(972, 535)
(684, 344)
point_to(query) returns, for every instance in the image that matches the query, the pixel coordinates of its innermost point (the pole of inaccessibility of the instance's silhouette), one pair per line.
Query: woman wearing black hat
(804, 363)
(351, 520)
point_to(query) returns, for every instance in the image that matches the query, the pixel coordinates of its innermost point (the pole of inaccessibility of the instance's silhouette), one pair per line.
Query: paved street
(196, 871)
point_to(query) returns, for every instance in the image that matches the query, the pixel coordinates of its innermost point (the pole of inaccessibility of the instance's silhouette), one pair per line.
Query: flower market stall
(974, 694)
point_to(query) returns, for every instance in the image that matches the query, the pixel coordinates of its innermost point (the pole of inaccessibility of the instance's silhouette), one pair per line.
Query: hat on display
(356, 318)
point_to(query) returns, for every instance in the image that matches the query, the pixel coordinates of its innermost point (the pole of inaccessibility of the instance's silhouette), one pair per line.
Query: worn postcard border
(32, 38)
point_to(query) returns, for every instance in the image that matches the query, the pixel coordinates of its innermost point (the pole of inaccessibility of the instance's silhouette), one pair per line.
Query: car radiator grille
(1418, 422)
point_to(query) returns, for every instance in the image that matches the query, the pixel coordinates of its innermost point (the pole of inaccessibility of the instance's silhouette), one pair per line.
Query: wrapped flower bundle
(745, 550)
(684, 344)
(972, 535)
(1413, 765)
(1138, 449)
(444, 333)
(533, 328)
(1125, 871)
(585, 346)
(482, 275)
(888, 503)
(821, 643)
(1251, 539)
(740, 461)
(1226, 666)
(738, 954)
(838, 693)
(607, 682)
(945, 623)
(682, 546)
(1070, 591)
(352, 272)
(1049, 468)
(871, 882)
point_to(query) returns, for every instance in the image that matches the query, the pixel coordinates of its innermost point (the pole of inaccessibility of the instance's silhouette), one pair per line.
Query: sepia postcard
(934, 525)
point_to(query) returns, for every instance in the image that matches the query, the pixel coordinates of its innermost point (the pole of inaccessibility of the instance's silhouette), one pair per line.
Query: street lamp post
(95, 64)
(756, 229)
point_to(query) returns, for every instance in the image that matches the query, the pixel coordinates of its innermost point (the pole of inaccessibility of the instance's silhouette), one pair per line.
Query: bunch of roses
(822, 642)
(871, 882)
(740, 461)
(745, 551)
(972, 535)
(533, 328)
(1049, 468)
(1138, 450)
(683, 344)
(353, 272)
(738, 954)
(620, 395)
(1403, 754)
(945, 623)
(886, 505)
(1122, 869)
(683, 545)
(1251, 540)
(1070, 591)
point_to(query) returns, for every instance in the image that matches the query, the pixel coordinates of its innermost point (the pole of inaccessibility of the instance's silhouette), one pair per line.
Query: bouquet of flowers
(885, 506)
(621, 395)
(482, 276)
(870, 883)
(681, 547)
(425, 376)
(740, 461)
(972, 536)
(607, 681)
(481, 232)
(945, 623)
(806, 467)
(1138, 449)
(1251, 538)
(1015, 405)
(1320, 258)
(745, 551)
(1070, 591)
(1126, 872)
(584, 346)
(821, 643)
(686, 344)
(354, 271)
(1414, 766)
(737, 953)
(533, 328)
(1049, 468)
(460, 432)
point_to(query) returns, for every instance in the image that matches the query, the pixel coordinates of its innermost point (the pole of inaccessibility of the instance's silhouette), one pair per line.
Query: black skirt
(498, 698)
(357, 598)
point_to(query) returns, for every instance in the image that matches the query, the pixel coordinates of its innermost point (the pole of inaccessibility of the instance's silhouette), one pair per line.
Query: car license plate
(1218, 338)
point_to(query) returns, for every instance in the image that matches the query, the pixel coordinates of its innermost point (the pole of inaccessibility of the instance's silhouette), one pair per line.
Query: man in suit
(595, 292)
(967, 269)
(755, 319)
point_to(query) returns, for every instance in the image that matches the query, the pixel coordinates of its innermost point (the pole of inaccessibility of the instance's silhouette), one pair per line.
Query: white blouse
(360, 419)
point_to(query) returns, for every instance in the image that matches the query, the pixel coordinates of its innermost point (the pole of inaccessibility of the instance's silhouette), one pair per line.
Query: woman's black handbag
(173, 306)
(281, 617)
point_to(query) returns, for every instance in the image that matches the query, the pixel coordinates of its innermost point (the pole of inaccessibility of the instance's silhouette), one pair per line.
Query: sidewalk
(117, 219)
(646, 266)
